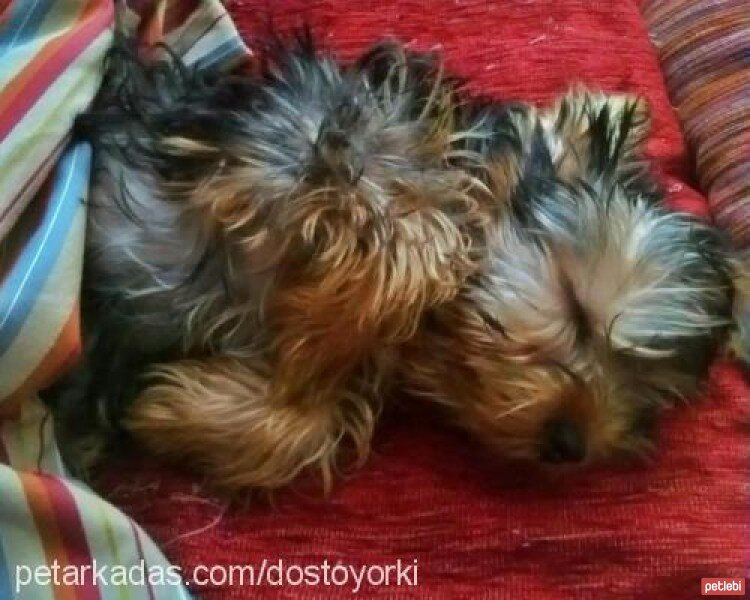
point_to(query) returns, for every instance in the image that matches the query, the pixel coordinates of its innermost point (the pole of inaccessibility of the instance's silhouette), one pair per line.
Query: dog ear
(593, 134)
(415, 84)
(390, 65)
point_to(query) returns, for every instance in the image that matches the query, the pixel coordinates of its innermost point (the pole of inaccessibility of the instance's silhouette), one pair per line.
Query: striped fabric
(704, 47)
(48, 56)
(51, 56)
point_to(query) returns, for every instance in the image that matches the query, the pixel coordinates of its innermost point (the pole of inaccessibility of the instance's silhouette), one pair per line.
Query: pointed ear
(515, 149)
(590, 134)
(415, 84)
(390, 61)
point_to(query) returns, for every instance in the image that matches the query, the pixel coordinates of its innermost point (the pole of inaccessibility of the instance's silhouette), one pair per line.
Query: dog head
(594, 306)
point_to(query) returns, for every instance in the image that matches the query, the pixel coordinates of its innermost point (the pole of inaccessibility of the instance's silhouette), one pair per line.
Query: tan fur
(351, 261)
(218, 416)
(504, 389)
(567, 124)
(345, 257)
(597, 313)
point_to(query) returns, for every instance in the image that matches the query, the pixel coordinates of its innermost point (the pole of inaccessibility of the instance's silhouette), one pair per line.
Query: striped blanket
(51, 58)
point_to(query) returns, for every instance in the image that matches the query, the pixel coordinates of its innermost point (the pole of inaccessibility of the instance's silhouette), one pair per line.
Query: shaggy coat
(259, 247)
(594, 305)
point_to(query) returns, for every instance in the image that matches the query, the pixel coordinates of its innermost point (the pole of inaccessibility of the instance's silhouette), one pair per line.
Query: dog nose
(333, 139)
(562, 442)
(339, 155)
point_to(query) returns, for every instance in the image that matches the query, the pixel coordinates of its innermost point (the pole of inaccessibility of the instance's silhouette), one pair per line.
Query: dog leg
(225, 417)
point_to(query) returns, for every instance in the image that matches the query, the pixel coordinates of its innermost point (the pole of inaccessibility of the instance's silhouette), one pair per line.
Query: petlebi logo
(723, 586)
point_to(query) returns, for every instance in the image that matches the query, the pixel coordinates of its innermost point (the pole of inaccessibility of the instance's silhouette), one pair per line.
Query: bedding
(478, 529)
(51, 63)
(703, 46)
(427, 496)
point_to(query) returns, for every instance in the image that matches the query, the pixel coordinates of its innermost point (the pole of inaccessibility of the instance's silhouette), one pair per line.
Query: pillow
(704, 47)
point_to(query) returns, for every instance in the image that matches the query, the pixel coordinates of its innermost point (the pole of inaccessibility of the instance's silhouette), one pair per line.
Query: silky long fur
(265, 252)
(594, 306)
(259, 247)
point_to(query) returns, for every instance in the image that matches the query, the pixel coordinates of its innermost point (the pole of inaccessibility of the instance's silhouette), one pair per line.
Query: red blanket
(479, 529)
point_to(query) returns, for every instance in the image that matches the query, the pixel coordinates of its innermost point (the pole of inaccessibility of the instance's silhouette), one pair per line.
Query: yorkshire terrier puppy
(258, 249)
(594, 305)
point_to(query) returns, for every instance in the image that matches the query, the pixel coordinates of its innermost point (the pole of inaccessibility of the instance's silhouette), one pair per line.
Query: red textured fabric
(478, 528)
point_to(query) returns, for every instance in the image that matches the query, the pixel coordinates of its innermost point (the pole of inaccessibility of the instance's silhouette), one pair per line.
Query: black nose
(562, 442)
(338, 155)
(332, 139)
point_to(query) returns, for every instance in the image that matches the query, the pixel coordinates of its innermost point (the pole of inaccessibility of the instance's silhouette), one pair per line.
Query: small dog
(258, 249)
(268, 253)
(594, 305)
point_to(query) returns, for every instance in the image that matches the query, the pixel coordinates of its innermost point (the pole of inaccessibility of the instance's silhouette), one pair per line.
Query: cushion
(703, 46)
(476, 527)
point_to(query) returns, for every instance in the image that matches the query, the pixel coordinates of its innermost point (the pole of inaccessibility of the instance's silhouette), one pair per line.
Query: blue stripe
(22, 286)
(222, 53)
(24, 21)
(6, 590)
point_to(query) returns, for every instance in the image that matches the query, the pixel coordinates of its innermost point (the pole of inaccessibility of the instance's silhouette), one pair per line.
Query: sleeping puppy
(259, 247)
(594, 305)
